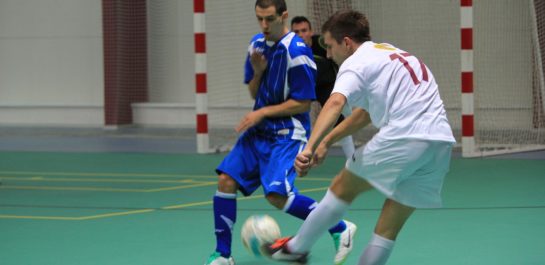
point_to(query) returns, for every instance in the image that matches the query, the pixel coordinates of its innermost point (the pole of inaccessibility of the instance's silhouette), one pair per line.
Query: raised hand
(258, 61)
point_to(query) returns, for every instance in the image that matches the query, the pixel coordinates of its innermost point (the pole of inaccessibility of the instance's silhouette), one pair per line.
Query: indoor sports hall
(114, 115)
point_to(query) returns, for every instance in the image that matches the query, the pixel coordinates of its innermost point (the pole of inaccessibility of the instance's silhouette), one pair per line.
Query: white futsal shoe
(217, 259)
(344, 241)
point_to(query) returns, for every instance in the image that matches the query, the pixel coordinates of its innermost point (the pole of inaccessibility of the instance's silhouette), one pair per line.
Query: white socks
(328, 213)
(377, 252)
(347, 144)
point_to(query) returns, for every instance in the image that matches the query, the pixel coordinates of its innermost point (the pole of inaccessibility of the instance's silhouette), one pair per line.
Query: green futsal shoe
(344, 241)
(217, 259)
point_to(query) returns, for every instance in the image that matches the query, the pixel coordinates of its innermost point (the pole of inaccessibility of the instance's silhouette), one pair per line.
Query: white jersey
(397, 90)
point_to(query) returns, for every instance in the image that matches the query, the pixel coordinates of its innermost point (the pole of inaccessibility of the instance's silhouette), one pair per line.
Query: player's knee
(227, 184)
(388, 233)
(277, 200)
(348, 186)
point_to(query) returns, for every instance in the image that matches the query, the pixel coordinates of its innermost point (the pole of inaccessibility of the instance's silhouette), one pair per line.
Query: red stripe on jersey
(467, 39)
(200, 43)
(202, 123)
(200, 81)
(466, 3)
(467, 125)
(198, 6)
(467, 82)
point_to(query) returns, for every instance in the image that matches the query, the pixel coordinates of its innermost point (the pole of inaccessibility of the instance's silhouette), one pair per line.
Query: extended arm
(351, 124)
(325, 121)
(357, 120)
(323, 138)
(287, 108)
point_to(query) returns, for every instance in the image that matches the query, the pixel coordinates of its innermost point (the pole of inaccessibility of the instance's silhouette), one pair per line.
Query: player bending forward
(406, 160)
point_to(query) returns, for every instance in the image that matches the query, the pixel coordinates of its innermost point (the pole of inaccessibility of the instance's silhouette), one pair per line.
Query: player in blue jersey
(280, 74)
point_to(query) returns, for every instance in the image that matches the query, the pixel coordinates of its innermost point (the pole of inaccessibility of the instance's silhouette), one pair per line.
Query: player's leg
(278, 184)
(421, 166)
(238, 171)
(278, 179)
(391, 220)
(225, 213)
(343, 190)
(345, 187)
(300, 206)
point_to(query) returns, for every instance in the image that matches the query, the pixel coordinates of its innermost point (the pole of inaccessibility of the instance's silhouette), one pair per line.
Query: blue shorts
(257, 160)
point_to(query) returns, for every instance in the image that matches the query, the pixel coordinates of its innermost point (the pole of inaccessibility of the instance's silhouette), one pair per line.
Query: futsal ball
(257, 231)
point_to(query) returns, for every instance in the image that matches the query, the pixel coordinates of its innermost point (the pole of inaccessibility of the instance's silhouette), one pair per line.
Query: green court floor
(152, 209)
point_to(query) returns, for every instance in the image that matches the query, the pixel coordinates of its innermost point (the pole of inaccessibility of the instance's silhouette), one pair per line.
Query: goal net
(508, 42)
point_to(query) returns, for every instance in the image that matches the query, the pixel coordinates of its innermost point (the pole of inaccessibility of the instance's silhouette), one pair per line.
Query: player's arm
(253, 86)
(325, 121)
(351, 124)
(357, 120)
(285, 109)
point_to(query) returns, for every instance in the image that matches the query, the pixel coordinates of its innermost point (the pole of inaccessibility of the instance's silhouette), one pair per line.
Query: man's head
(301, 26)
(343, 33)
(271, 16)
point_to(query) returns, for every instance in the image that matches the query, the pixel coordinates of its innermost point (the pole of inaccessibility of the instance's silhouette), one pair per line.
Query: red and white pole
(468, 128)
(201, 100)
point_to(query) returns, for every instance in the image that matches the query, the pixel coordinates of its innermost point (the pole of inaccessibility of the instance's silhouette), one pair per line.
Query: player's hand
(320, 154)
(303, 162)
(258, 61)
(250, 120)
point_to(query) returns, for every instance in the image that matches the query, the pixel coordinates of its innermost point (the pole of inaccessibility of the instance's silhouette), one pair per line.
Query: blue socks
(300, 206)
(225, 216)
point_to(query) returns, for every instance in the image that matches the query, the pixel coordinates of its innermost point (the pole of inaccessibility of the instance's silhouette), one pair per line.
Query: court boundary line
(137, 175)
(139, 211)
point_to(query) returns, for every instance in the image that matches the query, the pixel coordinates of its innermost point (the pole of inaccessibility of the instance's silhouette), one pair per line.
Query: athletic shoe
(279, 251)
(344, 241)
(217, 259)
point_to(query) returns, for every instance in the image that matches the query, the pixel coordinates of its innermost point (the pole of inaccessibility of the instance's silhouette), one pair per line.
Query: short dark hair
(279, 5)
(300, 19)
(348, 23)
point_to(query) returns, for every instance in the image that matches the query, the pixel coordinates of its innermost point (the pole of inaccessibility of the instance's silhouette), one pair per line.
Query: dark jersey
(327, 72)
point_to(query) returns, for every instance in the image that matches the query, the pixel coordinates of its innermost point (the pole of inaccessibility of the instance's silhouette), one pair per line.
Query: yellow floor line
(115, 214)
(95, 180)
(106, 174)
(180, 206)
(69, 188)
(103, 174)
(66, 188)
(63, 218)
(253, 197)
(210, 183)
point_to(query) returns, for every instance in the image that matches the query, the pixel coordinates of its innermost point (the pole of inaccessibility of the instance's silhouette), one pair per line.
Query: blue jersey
(290, 74)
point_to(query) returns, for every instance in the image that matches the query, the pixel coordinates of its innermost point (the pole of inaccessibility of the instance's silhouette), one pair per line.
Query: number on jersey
(400, 57)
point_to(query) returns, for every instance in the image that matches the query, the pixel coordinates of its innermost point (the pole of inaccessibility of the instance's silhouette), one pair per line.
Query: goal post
(502, 78)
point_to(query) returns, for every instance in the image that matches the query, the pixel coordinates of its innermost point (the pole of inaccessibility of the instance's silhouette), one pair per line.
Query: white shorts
(408, 171)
